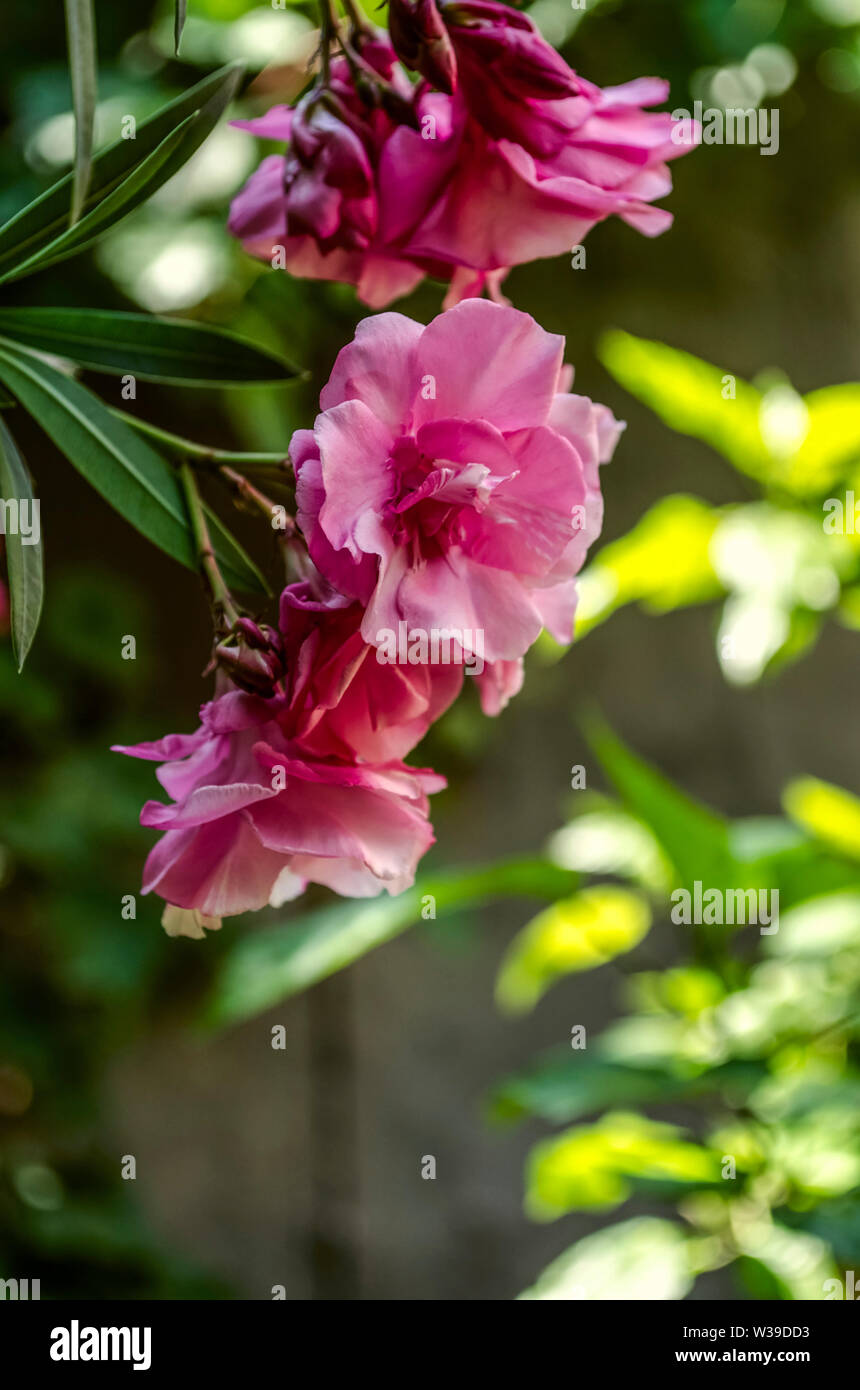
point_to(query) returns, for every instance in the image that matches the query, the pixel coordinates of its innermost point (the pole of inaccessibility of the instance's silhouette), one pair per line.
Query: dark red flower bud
(421, 41)
(251, 656)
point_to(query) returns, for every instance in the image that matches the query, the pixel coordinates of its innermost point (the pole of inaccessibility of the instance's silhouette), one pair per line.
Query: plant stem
(200, 453)
(222, 599)
(359, 21)
(254, 497)
(328, 31)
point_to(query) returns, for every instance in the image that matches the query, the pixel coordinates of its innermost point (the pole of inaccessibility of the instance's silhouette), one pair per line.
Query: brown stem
(256, 499)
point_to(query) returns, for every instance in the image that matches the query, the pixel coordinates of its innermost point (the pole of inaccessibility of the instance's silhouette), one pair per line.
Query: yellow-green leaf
(829, 813)
(578, 933)
(595, 1167)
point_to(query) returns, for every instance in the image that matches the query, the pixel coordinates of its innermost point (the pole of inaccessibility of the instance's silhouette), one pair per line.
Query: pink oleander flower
(520, 162)
(561, 166)
(450, 482)
(341, 701)
(306, 786)
(255, 817)
(356, 180)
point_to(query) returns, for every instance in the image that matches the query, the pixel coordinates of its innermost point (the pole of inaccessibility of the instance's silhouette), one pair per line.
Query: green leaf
(780, 1263)
(662, 563)
(595, 1167)
(694, 838)
(687, 394)
(578, 933)
(180, 11)
(821, 927)
(183, 123)
(120, 465)
(800, 444)
(24, 562)
(643, 1259)
(143, 180)
(568, 1085)
(832, 441)
(269, 965)
(829, 813)
(81, 34)
(154, 349)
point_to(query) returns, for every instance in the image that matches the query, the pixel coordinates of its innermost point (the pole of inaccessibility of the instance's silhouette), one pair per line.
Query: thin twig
(222, 599)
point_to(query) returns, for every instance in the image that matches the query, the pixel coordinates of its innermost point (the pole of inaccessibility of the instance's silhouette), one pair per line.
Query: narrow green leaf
(81, 34)
(179, 22)
(154, 349)
(121, 466)
(23, 557)
(269, 965)
(144, 179)
(42, 221)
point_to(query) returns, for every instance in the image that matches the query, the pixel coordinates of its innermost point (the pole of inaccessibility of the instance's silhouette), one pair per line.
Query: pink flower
(449, 483)
(255, 817)
(532, 178)
(355, 182)
(519, 163)
(341, 700)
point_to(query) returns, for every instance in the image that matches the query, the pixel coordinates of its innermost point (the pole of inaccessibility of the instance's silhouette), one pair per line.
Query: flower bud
(420, 39)
(251, 656)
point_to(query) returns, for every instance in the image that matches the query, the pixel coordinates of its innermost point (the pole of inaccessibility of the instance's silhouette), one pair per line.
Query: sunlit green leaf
(578, 933)
(819, 927)
(155, 349)
(802, 445)
(596, 1167)
(663, 562)
(829, 813)
(24, 561)
(832, 442)
(779, 1263)
(644, 1259)
(608, 840)
(692, 397)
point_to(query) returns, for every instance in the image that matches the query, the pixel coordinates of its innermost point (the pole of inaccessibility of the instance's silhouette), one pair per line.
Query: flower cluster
(449, 486)
(499, 155)
(448, 491)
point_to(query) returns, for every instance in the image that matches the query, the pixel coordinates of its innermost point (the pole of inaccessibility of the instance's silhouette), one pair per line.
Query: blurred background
(301, 1168)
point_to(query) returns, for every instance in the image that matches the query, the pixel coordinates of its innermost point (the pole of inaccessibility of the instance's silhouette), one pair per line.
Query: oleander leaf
(154, 349)
(24, 559)
(122, 467)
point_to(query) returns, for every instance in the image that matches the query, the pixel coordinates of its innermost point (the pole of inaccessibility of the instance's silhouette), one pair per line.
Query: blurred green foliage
(738, 1047)
(782, 563)
(752, 1040)
(81, 979)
